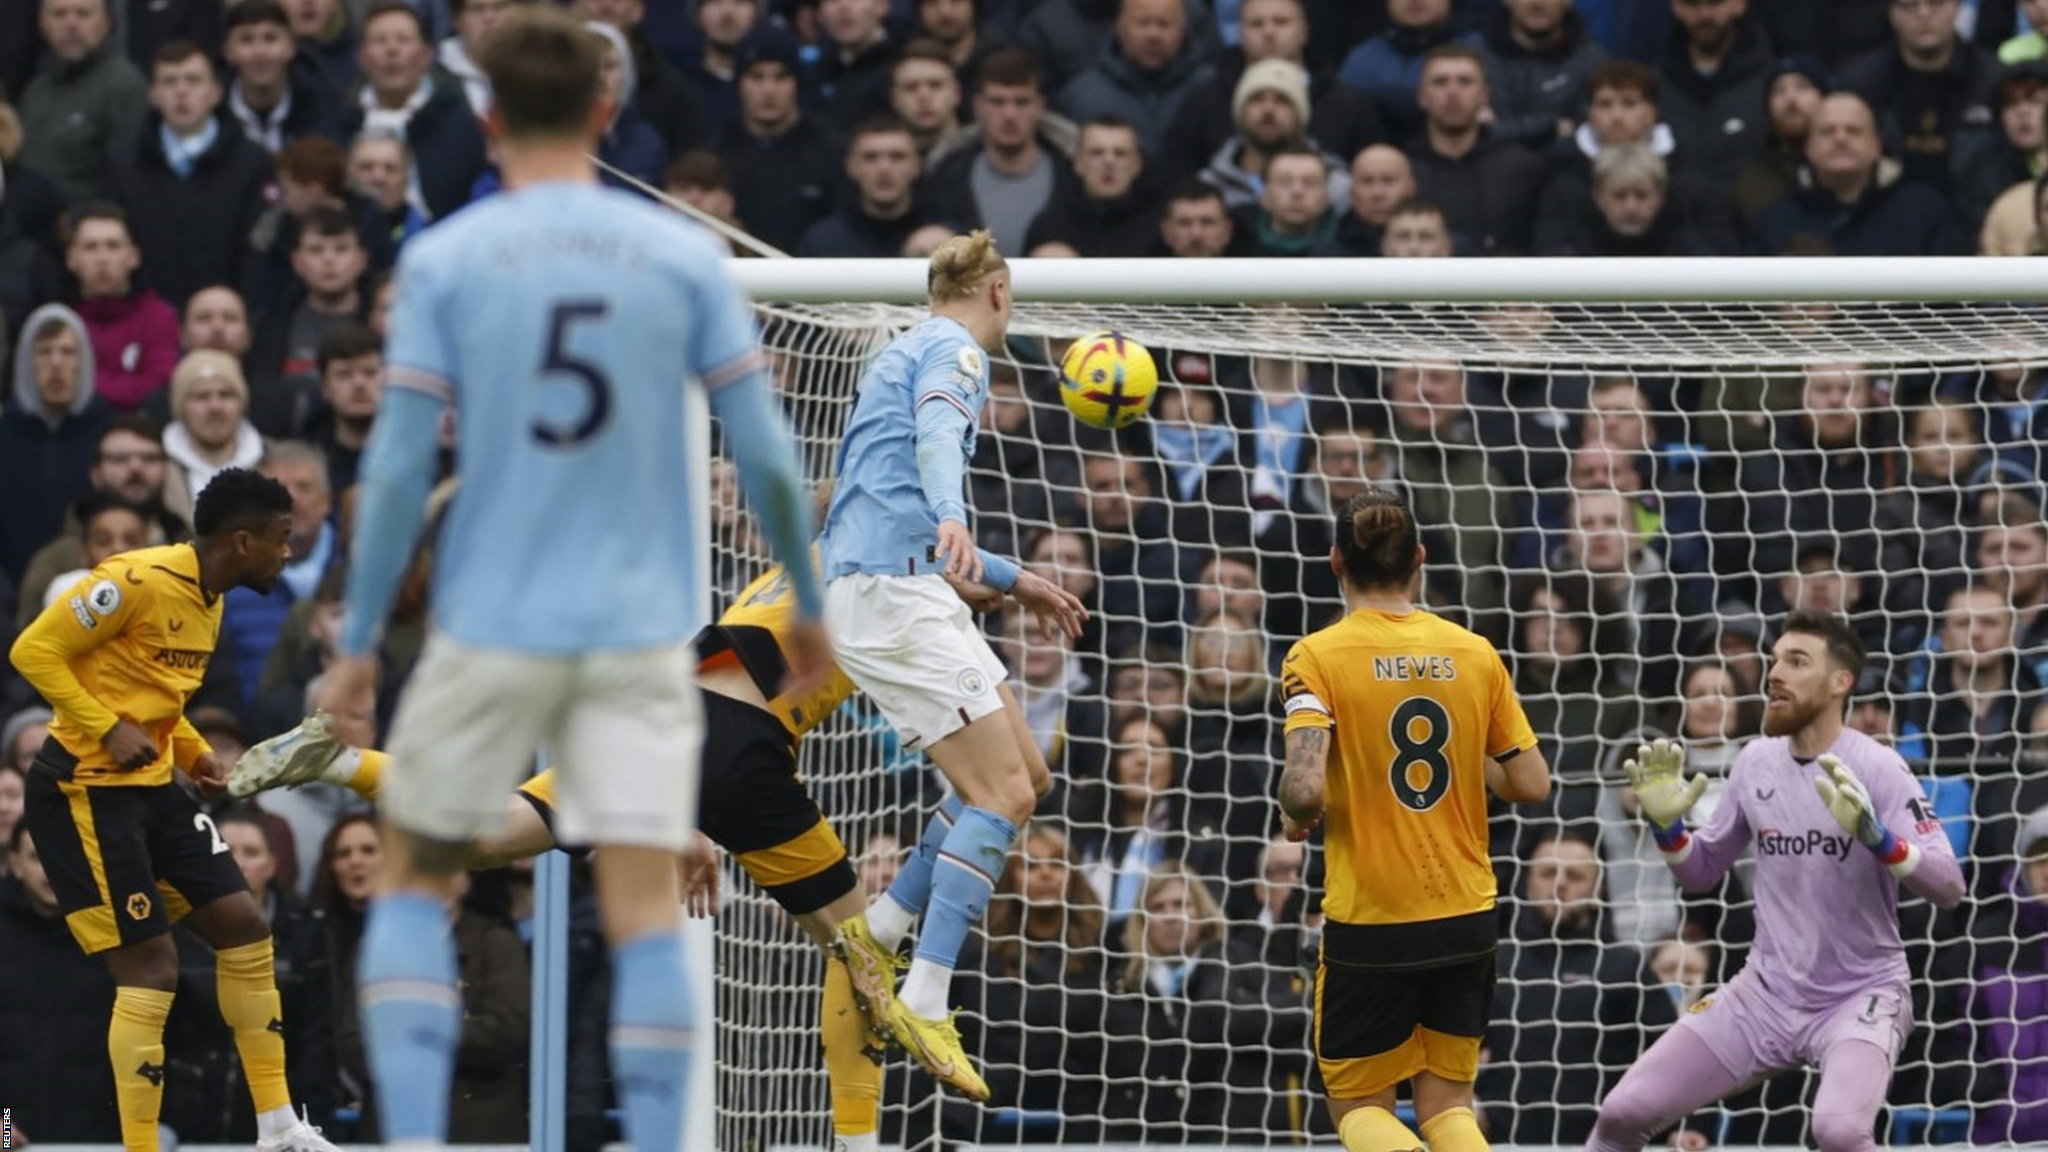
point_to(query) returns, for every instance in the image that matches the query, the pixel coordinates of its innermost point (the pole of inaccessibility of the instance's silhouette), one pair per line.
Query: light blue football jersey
(882, 517)
(564, 322)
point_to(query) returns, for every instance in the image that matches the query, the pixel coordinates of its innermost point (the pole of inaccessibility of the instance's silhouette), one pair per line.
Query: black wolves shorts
(753, 804)
(1378, 1027)
(126, 862)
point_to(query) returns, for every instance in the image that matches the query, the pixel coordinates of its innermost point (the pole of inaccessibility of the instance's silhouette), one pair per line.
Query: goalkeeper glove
(1664, 795)
(1849, 803)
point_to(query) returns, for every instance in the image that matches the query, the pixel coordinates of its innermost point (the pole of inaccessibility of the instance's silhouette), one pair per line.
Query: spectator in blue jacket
(629, 143)
(49, 433)
(1388, 67)
(1852, 200)
(1145, 72)
(1538, 59)
(400, 92)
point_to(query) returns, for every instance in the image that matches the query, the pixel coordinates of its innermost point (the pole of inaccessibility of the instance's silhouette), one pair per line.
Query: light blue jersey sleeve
(398, 464)
(757, 434)
(949, 382)
(762, 450)
(902, 465)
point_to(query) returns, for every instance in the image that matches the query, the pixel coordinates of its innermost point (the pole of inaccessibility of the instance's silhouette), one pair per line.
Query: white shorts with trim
(912, 645)
(625, 729)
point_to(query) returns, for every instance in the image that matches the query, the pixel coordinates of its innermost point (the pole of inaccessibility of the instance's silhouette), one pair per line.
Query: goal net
(1626, 496)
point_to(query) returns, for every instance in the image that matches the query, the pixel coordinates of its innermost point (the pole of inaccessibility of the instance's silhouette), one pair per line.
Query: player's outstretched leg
(1678, 1075)
(890, 918)
(989, 770)
(853, 1063)
(302, 755)
(867, 942)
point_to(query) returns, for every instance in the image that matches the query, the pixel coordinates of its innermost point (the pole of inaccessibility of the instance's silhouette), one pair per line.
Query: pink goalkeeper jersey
(1826, 910)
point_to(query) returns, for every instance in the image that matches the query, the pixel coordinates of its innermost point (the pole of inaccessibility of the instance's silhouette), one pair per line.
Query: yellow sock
(369, 775)
(853, 1056)
(1454, 1130)
(135, 1044)
(246, 981)
(1376, 1130)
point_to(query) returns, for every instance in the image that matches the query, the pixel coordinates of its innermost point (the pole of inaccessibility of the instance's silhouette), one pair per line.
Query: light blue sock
(966, 873)
(411, 1012)
(652, 1035)
(912, 888)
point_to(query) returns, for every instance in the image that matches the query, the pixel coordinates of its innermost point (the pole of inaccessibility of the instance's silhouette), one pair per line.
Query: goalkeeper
(1839, 826)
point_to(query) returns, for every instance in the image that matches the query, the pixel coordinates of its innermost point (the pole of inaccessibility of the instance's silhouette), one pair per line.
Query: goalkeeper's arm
(1930, 872)
(1697, 859)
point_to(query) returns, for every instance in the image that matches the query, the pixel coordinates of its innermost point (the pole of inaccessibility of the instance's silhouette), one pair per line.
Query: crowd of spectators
(201, 203)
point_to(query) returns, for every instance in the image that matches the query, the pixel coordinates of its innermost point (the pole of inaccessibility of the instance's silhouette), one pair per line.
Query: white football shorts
(912, 645)
(624, 729)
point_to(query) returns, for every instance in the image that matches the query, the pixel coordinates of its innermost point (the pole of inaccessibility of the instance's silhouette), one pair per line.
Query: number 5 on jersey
(561, 362)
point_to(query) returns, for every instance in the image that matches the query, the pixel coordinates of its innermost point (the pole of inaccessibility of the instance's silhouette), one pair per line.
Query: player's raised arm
(1920, 857)
(1665, 797)
(944, 390)
(1515, 768)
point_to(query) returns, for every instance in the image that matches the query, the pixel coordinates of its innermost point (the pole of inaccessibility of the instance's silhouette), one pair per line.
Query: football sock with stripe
(962, 878)
(411, 1012)
(890, 918)
(360, 770)
(653, 1033)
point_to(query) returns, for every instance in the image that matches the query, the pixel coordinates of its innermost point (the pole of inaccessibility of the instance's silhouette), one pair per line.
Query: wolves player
(1425, 723)
(566, 320)
(755, 806)
(897, 528)
(1840, 827)
(128, 852)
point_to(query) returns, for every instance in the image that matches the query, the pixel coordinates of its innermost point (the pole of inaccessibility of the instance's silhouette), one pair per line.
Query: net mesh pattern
(1626, 500)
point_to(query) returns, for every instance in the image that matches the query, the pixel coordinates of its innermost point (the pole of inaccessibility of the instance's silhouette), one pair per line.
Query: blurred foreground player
(566, 322)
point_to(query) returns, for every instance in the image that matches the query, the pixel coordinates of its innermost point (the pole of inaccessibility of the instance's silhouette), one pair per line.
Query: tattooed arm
(1301, 782)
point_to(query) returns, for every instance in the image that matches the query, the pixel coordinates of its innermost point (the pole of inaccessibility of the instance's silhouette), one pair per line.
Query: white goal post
(1761, 433)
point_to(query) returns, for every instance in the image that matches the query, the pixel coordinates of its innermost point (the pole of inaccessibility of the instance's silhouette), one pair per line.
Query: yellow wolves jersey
(130, 641)
(1418, 703)
(752, 633)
